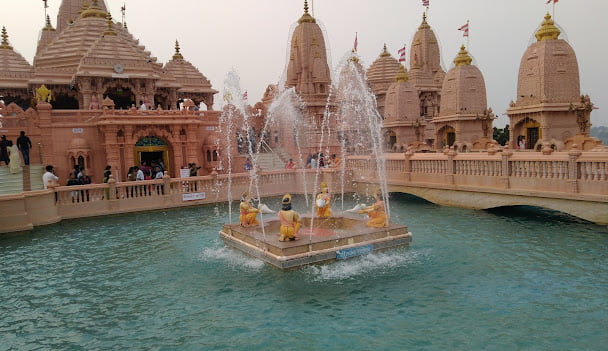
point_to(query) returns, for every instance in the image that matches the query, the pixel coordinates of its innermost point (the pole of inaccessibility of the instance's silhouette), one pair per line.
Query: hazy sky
(252, 36)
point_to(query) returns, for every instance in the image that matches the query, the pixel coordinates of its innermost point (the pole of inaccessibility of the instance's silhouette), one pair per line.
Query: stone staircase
(269, 161)
(30, 178)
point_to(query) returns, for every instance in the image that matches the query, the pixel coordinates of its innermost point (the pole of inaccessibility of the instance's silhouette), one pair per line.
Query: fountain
(289, 240)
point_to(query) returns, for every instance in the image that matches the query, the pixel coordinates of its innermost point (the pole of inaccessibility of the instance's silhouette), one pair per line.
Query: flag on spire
(245, 96)
(425, 3)
(46, 6)
(552, 1)
(355, 45)
(123, 9)
(401, 53)
(465, 29)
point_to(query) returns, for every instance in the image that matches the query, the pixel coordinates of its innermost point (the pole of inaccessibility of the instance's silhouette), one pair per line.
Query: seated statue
(248, 213)
(322, 202)
(290, 220)
(376, 213)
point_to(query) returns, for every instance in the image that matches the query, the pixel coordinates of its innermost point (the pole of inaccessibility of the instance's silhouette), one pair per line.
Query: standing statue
(376, 213)
(44, 94)
(290, 220)
(248, 212)
(322, 202)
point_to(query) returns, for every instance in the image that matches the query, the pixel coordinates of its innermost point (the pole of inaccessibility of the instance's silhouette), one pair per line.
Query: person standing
(4, 144)
(15, 166)
(49, 179)
(107, 172)
(24, 144)
(290, 164)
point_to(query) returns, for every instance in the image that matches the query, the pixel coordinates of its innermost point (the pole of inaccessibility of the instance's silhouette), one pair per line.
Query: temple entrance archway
(123, 97)
(152, 150)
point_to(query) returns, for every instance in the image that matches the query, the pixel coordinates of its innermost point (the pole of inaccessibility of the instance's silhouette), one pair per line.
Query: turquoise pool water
(511, 279)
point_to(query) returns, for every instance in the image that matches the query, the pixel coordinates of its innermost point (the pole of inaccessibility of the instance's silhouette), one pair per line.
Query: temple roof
(70, 11)
(187, 76)
(425, 58)
(116, 47)
(402, 101)
(15, 71)
(548, 70)
(383, 70)
(464, 90)
(308, 54)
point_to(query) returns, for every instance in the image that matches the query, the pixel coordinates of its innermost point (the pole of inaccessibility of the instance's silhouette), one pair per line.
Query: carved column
(573, 173)
(504, 179)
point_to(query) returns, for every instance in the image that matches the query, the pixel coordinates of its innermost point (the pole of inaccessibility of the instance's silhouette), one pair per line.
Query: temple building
(465, 122)
(102, 99)
(550, 109)
(403, 125)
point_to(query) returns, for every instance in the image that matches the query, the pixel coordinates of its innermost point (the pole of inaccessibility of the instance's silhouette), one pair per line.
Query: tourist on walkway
(49, 179)
(290, 164)
(290, 220)
(24, 144)
(13, 151)
(4, 144)
(248, 165)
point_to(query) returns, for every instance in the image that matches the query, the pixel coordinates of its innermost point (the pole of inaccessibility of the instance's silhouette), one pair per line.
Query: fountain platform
(330, 239)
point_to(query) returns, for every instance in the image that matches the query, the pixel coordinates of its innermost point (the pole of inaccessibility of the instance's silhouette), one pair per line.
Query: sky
(252, 37)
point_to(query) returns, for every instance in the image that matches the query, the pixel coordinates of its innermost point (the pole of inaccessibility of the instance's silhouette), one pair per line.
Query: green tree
(501, 135)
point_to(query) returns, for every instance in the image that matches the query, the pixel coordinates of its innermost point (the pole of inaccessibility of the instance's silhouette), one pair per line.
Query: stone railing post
(167, 184)
(407, 175)
(506, 155)
(113, 199)
(573, 171)
(450, 170)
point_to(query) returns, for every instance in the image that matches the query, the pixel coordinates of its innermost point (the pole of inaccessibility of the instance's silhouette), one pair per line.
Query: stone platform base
(330, 239)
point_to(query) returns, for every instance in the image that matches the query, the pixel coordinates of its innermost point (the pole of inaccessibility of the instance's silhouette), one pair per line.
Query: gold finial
(384, 52)
(109, 30)
(547, 30)
(85, 6)
(5, 44)
(306, 17)
(124, 25)
(401, 75)
(424, 25)
(463, 58)
(48, 26)
(177, 55)
(93, 11)
(354, 57)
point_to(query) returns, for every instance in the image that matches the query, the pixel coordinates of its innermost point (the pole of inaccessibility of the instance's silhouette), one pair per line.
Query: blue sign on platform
(354, 251)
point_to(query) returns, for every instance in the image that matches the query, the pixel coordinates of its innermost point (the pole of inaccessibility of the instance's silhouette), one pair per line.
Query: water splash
(232, 258)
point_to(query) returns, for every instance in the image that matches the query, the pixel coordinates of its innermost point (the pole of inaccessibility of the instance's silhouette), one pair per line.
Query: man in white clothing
(49, 177)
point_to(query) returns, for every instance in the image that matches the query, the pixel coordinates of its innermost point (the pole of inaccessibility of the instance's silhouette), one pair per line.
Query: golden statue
(44, 94)
(290, 220)
(248, 213)
(322, 202)
(376, 213)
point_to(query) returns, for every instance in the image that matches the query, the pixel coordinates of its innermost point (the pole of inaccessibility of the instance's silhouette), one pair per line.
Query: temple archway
(123, 97)
(152, 150)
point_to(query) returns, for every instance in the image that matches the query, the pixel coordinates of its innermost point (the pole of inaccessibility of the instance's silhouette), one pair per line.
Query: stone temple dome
(464, 89)
(402, 102)
(548, 71)
(425, 58)
(15, 71)
(307, 69)
(191, 80)
(382, 72)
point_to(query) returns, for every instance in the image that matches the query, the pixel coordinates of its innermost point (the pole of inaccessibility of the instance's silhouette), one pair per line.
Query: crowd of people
(9, 152)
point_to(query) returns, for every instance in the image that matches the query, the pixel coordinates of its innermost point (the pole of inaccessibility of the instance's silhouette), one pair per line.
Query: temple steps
(30, 178)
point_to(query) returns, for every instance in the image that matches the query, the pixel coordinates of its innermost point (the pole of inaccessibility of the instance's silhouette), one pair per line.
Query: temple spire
(463, 58)
(177, 55)
(5, 44)
(547, 30)
(109, 30)
(306, 17)
(385, 52)
(401, 75)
